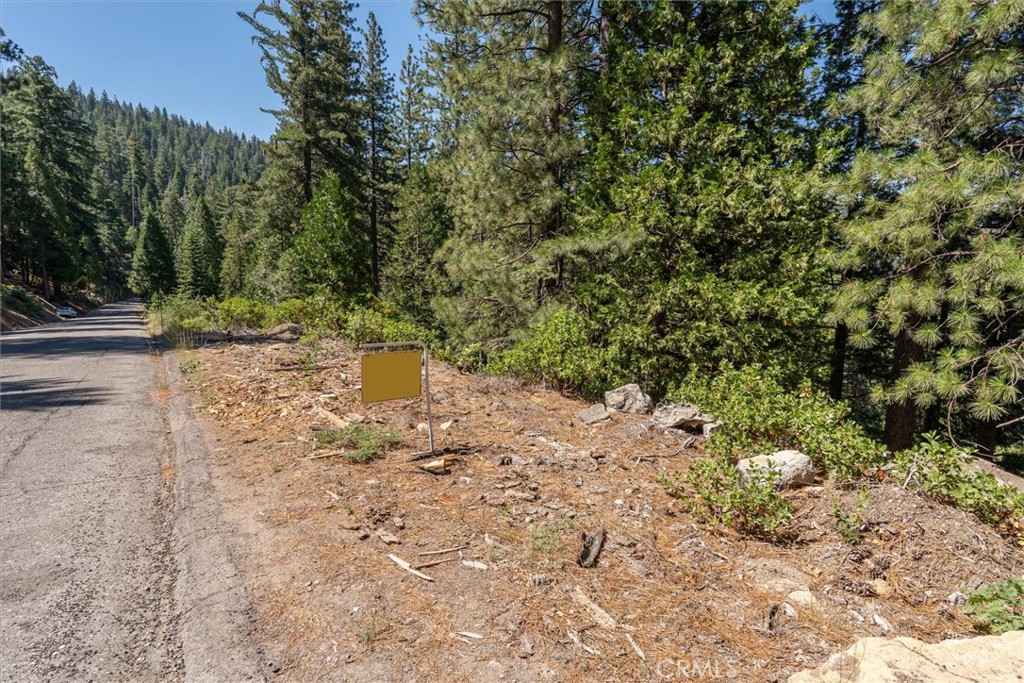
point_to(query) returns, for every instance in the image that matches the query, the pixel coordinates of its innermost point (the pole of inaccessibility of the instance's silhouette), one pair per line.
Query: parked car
(67, 312)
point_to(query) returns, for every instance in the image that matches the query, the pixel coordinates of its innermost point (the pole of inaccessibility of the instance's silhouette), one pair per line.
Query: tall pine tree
(934, 252)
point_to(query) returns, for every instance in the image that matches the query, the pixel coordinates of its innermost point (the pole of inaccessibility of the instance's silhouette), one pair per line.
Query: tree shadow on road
(45, 394)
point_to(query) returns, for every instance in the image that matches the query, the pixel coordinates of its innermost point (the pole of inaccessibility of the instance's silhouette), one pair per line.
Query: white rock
(802, 597)
(594, 414)
(628, 399)
(795, 468)
(993, 659)
(682, 416)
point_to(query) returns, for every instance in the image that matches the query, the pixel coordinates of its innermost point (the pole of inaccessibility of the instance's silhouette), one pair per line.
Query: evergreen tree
(414, 139)
(152, 261)
(507, 75)
(311, 64)
(379, 125)
(422, 223)
(697, 228)
(199, 270)
(48, 206)
(331, 253)
(933, 252)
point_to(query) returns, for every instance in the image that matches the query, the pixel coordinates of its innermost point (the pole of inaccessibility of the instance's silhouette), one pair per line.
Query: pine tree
(331, 253)
(199, 270)
(48, 206)
(698, 220)
(152, 262)
(414, 135)
(379, 125)
(422, 223)
(507, 75)
(310, 62)
(933, 251)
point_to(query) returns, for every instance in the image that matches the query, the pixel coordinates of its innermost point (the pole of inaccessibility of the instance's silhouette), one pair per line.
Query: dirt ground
(667, 600)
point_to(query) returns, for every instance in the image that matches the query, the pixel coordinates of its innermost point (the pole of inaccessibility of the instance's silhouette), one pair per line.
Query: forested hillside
(588, 193)
(81, 174)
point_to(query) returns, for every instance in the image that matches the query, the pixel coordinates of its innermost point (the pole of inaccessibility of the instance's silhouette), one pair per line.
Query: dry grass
(331, 606)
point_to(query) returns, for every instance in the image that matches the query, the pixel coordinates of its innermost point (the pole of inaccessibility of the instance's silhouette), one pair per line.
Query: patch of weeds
(546, 545)
(942, 471)
(189, 365)
(997, 607)
(366, 443)
(849, 524)
(275, 464)
(713, 492)
(371, 631)
(309, 358)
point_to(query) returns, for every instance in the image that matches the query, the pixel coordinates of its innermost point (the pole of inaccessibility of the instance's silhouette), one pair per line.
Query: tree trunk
(901, 418)
(987, 437)
(839, 342)
(307, 171)
(374, 237)
(553, 221)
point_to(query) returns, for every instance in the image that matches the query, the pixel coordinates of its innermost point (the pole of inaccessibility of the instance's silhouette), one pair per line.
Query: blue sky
(192, 57)
(195, 58)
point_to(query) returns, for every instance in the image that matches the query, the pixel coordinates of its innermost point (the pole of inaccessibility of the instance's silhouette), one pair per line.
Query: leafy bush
(558, 353)
(759, 415)
(368, 326)
(366, 443)
(235, 312)
(713, 493)
(997, 607)
(289, 311)
(942, 471)
(182, 319)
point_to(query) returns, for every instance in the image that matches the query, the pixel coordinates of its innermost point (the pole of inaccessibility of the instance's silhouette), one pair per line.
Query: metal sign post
(390, 376)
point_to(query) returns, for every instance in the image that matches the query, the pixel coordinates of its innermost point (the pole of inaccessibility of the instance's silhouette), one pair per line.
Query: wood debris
(407, 567)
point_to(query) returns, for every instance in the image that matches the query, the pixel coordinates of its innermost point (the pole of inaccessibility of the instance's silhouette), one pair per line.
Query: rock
(956, 599)
(287, 332)
(881, 588)
(802, 597)
(993, 659)
(882, 624)
(795, 468)
(594, 414)
(628, 399)
(710, 428)
(682, 416)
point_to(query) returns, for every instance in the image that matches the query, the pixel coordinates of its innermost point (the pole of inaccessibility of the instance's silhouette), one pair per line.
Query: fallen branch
(431, 564)
(407, 567)
(446, 550)
(328, 454)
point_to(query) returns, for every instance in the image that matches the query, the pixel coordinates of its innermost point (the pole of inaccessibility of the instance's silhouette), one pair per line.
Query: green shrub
(997, 607)
(368, 326)
(289, 311)
(366, 443)
(942, 471)
(235, 312)
(558, 353)
(181, 319)
(713, 493)
(759, 416)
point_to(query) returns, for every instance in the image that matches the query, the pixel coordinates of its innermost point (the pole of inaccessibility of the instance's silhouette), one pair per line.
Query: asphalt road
(87, 568)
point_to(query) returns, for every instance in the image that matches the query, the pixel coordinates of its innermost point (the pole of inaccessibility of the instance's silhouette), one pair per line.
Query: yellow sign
(387, 376)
